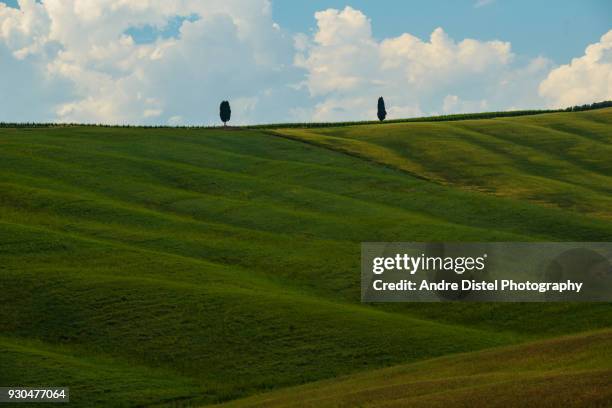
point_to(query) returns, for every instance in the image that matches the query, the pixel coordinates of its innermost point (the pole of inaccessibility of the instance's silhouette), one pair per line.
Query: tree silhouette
(382, 112)
(225, 112)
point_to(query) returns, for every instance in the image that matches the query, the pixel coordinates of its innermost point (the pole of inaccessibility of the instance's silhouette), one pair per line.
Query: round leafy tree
(225, 112)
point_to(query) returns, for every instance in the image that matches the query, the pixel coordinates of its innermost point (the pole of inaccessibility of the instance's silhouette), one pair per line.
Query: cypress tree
(382, 112)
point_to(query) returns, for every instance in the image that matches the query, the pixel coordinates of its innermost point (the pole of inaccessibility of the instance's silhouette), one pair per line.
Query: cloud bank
(347, 66)
(80, 61)
(83, 66)
(583, 80)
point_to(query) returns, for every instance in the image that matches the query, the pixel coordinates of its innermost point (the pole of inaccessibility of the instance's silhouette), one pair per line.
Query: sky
(172, 62)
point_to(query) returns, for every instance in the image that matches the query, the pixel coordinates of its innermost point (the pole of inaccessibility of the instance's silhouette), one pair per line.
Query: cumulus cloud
(231, 49)
(584, 80)
(79, 60)
(348, 68)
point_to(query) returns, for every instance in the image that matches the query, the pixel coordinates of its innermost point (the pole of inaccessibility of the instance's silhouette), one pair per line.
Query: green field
(571, 371)
(152, 267)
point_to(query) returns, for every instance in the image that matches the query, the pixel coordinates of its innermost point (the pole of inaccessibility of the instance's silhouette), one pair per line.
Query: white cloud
(233, 50)
(25, 30)
(74, 60)
(349, 69)
(584, 80)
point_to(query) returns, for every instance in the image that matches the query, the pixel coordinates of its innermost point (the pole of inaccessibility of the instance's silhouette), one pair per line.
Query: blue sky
(167, 62)
(555, 28)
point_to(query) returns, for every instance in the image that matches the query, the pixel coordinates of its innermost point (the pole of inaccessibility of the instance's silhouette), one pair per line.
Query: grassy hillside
(570, 371)
(214, 264)
(557, 159)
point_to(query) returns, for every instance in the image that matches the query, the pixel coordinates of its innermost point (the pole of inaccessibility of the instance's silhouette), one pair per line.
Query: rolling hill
(554, 159)
(571, 371)
(177, 267)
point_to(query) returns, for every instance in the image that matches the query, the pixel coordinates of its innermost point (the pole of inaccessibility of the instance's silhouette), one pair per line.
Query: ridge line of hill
(276, 133)
(435, 118)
